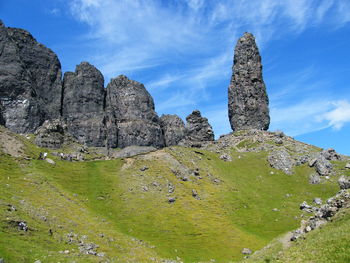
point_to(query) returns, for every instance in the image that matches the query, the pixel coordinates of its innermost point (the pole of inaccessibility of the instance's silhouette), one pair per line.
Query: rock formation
(30, 81)
(83, 104)
(34, 99)
(173, 128)
(52, 134)
(248, 101)
(198, 128)
(130, 107)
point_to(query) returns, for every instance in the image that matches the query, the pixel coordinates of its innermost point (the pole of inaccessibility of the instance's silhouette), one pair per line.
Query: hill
(176, 204)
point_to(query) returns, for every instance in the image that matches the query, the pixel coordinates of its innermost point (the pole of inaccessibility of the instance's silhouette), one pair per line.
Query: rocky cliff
(83, 104)
(30, 81)
(247, 97)
(131, 108)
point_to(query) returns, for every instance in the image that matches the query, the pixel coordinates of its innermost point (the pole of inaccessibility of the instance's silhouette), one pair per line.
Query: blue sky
(182, 50)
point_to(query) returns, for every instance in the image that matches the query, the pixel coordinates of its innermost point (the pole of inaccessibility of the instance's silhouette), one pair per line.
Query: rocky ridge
(32, 93)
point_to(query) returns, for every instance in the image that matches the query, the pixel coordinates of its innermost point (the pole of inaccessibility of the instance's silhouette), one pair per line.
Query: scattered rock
(246, 251)
(248, 101)
(144, 168)
(347, 166)
(317, 201)
(312, 162)
(171, 199)
(314, 179)
(281, 160)
(226, 158)
(50, 161)
(323, 166)
(331, 155)
(171, 188)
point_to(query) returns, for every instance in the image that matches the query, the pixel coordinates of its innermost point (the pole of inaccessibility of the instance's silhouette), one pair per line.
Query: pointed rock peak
(248, 104)
(87, 69)
(195, 113)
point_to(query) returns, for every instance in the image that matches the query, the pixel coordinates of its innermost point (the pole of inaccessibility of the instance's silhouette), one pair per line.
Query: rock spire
(247, 98)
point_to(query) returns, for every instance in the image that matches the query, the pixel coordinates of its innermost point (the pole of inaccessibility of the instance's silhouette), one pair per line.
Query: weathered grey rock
(246, 251)
(83, 104)
(347, 166)
(248, 104)
(133, 150)
(314, 179)
(173, 128)
(344, 182)
(281, 160)
(52, 134)
(30, 81)
(331, 155)
(317, 201)
(198, 128)
(323, 166)
(130, 108)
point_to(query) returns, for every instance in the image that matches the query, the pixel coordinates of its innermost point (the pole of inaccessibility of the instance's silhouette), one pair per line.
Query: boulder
(331, 155)
(173, 128)
(198, 128)
(131, 116)
(323, 166)
(281, 160)
(30, 81)
(83, 104)
(133, 150)
(344, 182)
(248, 104)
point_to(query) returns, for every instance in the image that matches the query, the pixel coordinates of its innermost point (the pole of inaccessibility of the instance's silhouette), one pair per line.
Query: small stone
(145, 188)
(184, 178)
(101, 254)
(226, 158)
(275, 210)
(308, 229)
(50, 161)
(347, 166)
(144, 168)
(171, 199)
(246, 251)
(314, 179)
(312, 162)
(317, 201)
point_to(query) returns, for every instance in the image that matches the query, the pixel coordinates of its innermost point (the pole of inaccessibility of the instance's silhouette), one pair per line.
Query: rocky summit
(198, 128)
(247, 97)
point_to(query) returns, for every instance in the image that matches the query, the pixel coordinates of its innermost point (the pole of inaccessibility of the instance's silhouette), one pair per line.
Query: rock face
(173, 128)
(83, 104)
(198, 128)
(131, 116)
(281, 160)
(52, 134)
(247, 97)
(30, 81)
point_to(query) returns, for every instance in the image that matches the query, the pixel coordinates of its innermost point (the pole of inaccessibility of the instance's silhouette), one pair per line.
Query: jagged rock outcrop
(173, 128)
(198, 128)
(30, 81)
(83, 104)
(281, 160)
(131, 116)
(52, 134)
(247, 98)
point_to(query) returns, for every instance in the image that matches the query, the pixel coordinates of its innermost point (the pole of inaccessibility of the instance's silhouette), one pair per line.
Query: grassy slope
(90, 198)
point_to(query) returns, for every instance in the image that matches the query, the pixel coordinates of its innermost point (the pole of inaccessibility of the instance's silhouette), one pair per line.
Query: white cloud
(338, 116)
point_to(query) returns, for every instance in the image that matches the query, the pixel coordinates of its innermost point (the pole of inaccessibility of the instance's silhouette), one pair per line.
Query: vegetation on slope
(123, 206)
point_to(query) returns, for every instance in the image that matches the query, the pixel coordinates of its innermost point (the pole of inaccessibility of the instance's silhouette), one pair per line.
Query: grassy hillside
(122, 205)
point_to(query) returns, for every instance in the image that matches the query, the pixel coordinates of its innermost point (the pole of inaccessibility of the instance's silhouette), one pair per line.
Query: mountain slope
(178, 203)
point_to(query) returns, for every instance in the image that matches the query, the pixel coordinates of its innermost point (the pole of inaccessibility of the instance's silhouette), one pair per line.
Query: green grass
(138, 225)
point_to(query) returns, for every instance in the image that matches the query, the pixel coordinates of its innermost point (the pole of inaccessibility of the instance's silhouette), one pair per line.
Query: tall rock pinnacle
(247, 98)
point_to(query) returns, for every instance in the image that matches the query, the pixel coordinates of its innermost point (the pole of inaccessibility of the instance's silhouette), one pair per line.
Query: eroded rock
(198, 128)
(173, 128)
(248, 105)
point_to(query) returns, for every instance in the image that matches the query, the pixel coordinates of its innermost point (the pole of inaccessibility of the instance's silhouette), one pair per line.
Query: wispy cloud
(338, 116)
(182, 48)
